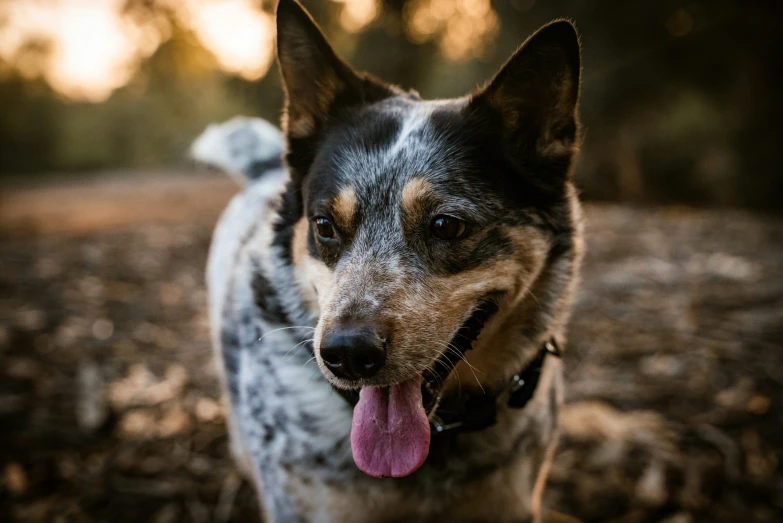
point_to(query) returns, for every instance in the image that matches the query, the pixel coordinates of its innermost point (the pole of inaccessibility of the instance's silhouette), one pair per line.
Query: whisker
(297, 345)
(471, 367)
(532, 294)
(435, 375)
(286, 328)
(464, 358)
(452, 366)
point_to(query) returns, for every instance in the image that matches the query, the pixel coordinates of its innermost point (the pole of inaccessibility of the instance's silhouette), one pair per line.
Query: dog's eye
(324, 228)
(447, 227)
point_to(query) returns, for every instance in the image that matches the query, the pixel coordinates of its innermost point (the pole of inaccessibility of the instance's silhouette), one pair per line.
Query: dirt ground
(109, 403)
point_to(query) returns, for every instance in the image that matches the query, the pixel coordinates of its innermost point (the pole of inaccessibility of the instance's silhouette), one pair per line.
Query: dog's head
(409, 216)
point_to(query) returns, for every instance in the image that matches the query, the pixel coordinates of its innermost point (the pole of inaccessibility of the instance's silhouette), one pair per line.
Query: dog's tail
(245, 148)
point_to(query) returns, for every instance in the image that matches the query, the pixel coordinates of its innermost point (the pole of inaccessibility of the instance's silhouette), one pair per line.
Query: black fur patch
(266, 298)
(230, 347)
(290, 211)
(261, 167)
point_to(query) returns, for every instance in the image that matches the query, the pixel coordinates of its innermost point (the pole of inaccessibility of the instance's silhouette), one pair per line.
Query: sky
(96, 48)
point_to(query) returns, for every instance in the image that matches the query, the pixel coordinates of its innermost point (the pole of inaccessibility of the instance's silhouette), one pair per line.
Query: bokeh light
(463, 28)
(237, 32)
(357, 14)
(96, 48)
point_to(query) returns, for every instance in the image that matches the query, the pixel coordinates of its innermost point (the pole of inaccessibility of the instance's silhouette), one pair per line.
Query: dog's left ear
(315, 79)
(536, 94)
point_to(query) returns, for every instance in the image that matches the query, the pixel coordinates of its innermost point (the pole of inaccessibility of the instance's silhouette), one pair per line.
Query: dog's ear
(314, 77)
(536, 94)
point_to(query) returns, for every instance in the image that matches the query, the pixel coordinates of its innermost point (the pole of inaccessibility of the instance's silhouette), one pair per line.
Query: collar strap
(470, 412)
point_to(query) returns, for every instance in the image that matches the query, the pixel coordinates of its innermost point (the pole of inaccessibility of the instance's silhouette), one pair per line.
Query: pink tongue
(390, 435)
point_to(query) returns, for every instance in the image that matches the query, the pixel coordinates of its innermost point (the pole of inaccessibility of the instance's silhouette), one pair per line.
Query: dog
(389, 292)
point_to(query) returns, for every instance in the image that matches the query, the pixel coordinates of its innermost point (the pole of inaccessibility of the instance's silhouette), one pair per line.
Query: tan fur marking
(345, 207)
(310, 273)
(300, 127)
(413, 193)
(299, 243)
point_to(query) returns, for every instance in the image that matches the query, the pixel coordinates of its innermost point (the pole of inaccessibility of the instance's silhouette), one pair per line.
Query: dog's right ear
(314, 77)
(535, 95)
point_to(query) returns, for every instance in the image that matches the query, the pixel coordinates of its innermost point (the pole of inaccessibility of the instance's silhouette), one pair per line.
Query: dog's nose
(353, 352)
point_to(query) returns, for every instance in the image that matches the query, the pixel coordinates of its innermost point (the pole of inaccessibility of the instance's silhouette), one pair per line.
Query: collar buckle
(552, 348)
(517, 382)
(473, 413)
(439, 426)
(523, 385)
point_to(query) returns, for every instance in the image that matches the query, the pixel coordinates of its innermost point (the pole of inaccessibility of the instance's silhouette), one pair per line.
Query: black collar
(472, 412)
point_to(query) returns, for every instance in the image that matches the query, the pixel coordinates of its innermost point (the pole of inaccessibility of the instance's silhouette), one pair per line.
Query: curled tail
(244, 147)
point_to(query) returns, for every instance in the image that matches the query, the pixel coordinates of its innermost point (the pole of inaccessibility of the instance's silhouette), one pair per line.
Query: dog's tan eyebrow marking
(345, 206)
(413, 194)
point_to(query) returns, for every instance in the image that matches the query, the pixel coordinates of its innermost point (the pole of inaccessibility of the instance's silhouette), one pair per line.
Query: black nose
(353, 352)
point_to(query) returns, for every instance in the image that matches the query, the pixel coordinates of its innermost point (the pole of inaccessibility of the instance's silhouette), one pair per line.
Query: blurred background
(108, 397)
(680, 98)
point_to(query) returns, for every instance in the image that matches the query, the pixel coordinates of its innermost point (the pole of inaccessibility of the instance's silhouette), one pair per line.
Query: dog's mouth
(390, 434)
